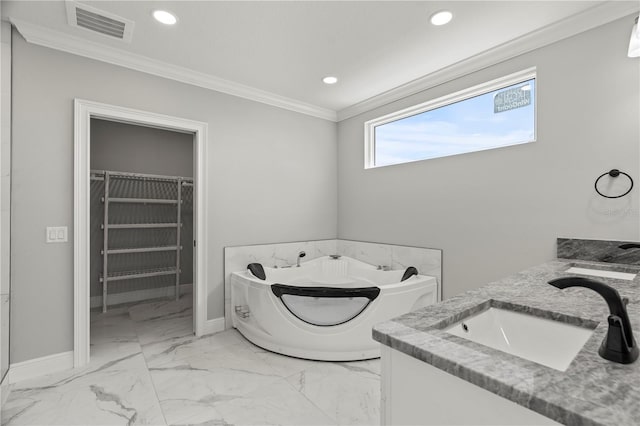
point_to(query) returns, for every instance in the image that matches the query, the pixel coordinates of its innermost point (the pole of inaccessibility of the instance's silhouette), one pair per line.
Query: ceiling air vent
(99, 21)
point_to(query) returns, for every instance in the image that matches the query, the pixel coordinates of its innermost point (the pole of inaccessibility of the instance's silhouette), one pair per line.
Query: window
(491, 115)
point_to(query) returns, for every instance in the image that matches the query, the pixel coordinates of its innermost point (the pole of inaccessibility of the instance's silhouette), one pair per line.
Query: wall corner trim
(215, 325)
(78, 46)
(38, 367)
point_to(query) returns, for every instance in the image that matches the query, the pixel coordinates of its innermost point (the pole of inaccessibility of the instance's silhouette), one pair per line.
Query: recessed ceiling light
(441, 18)
(165, 17)
(330, 80)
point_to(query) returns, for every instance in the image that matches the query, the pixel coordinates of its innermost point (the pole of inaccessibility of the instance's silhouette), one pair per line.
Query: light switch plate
(56, 234)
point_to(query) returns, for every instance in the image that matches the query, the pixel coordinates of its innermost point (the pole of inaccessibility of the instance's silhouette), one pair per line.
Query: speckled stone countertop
(592, 391)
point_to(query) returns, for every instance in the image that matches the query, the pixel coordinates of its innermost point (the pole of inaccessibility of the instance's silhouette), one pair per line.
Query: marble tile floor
(147, 368)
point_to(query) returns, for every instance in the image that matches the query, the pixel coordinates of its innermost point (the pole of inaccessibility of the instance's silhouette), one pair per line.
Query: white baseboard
(215, 325)
(137, 295)
(4, 390)
(40, 367)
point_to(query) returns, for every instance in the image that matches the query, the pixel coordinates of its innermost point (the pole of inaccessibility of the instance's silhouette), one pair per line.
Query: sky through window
(495, 119)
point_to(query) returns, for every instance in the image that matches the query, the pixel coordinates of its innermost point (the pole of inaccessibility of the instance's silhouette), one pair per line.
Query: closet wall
(119, 147)
(129, 148)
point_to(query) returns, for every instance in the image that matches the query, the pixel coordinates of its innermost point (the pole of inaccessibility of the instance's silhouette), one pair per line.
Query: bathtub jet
(326, 308)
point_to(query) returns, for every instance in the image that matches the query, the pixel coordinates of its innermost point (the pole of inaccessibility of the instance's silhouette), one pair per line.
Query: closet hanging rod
(141, 225)
(101, 178)
(143, 200)
(97, 174)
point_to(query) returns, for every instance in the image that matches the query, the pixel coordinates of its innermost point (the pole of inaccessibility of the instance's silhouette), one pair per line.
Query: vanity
(435, 373)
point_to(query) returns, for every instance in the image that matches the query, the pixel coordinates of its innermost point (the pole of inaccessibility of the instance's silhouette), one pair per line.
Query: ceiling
(284, 48)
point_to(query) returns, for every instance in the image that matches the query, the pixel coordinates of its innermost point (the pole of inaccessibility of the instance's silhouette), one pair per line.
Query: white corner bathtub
(324, 309)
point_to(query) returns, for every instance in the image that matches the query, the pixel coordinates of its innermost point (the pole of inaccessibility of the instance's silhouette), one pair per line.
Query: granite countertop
(592, 391)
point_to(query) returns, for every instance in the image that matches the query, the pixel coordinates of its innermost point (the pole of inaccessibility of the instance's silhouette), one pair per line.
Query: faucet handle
(616, 343)
(615, 321)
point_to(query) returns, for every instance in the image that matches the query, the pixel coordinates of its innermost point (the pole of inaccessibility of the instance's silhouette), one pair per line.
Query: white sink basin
(544, 341)
(600, 273)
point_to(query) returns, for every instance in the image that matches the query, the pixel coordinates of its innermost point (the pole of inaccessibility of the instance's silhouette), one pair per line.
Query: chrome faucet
(300, 256)
(618, 345)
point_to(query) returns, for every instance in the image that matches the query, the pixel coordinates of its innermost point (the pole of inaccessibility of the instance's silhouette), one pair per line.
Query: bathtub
(324, 309)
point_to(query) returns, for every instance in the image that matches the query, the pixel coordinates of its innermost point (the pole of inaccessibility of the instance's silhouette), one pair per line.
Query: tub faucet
(628, 246)
(300, 256)
(618, 345)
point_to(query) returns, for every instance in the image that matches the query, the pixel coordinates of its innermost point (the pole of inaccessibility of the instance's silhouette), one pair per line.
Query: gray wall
(272, 177)
(129, 148)
(273, 174)
(496, 212)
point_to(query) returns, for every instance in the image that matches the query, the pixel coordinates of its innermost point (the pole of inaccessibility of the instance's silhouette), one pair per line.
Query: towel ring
(614, 173)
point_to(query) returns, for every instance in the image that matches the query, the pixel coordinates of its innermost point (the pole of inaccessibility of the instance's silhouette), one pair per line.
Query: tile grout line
(153, 384)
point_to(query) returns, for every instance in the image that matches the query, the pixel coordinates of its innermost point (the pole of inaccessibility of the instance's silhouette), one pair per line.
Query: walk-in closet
(142, 227)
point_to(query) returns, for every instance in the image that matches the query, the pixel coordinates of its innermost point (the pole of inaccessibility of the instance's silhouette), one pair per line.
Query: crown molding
(568, 27)
(78, 46)
(598, 15)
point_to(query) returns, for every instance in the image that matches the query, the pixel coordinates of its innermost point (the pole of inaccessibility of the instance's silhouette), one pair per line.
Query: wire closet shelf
(140, 202)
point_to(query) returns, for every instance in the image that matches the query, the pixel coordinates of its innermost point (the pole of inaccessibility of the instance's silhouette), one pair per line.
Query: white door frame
(83, 112)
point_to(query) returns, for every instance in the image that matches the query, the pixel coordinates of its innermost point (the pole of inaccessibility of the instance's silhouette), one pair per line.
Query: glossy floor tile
(147, 368)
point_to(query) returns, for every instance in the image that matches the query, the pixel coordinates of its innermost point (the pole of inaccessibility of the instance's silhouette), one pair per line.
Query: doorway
(87, 112)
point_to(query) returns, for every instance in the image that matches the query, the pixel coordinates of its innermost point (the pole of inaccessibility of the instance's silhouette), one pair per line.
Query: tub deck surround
(597, 251)
(592, 391)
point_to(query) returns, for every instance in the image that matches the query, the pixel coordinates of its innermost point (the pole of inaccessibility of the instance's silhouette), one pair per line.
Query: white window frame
(471, 92)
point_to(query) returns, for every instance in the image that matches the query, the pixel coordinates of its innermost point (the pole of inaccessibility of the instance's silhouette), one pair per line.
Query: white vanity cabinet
(416, 393)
